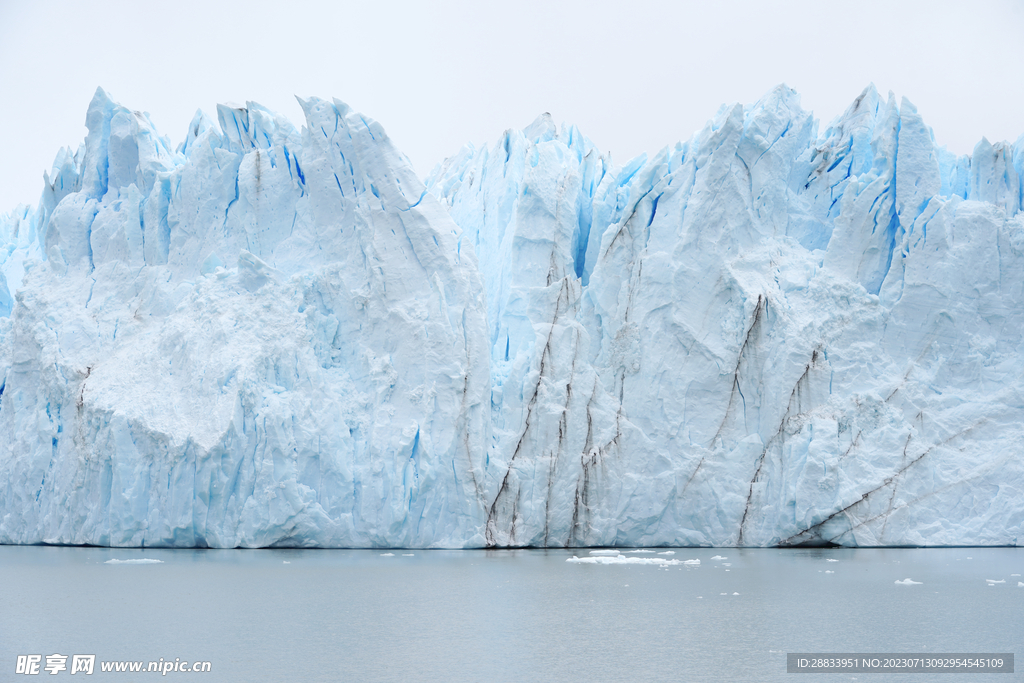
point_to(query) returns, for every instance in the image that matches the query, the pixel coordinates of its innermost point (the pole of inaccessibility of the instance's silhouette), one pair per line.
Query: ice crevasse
(764, 335)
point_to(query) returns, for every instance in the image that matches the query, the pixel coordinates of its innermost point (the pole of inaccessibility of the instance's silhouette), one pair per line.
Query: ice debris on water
(278, 336)
(719, 557)
(908, 582)
(138, 561)
(622, 559)
(993, 582)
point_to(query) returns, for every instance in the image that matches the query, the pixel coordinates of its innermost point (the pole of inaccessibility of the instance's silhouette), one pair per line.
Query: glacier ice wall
(760, 336)
(264, 337)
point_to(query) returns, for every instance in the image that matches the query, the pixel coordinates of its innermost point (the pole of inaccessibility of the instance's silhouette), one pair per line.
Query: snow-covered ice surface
(270, 336)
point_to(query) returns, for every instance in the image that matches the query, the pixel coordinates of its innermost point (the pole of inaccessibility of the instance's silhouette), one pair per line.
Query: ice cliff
(761, 336)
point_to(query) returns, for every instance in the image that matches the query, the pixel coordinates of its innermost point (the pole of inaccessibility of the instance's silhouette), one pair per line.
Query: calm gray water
(355, 615)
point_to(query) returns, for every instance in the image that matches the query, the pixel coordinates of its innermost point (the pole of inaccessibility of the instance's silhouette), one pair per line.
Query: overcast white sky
(633, 76)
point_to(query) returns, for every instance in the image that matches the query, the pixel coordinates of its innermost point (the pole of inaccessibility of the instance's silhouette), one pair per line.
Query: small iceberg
(668, 552)
(993, 582)
(408, 554)
(605, 553)
(139, 561)
(622, 559)
(908, 582)
(387, 554)
(829, 559)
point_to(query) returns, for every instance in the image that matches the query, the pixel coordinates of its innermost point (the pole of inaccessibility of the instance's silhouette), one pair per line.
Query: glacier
(766, 335)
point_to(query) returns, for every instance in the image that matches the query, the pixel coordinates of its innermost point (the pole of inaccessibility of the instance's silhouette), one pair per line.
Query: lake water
(357, 615)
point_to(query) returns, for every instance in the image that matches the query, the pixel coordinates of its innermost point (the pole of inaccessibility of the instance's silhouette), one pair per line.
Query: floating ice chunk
(408, 554)
(908, 582)
(1014, 574)
(387, 554)
(735, 593)
(719, 557)
(993, 582)
(668, 552)
(139, 561)
(723, 593)
(621, 559)
(829, 559)
(639, 551)
(605, 552)
(286, 562)
(829, 571)
(727, 564)
(1020, 584)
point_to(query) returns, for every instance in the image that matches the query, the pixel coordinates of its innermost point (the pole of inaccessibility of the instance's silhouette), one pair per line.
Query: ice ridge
(277, 337)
